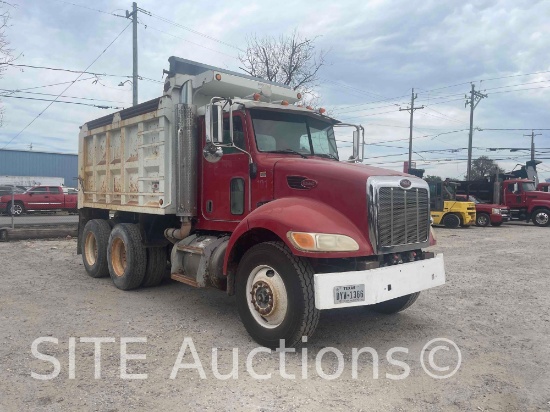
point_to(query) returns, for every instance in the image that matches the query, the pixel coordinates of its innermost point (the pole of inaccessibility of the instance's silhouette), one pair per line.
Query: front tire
(275, 295)
(541, 217)
(451, 221)
(95, 239)
(18, 209)
(392, 306)
(483, 220)
(126, 256)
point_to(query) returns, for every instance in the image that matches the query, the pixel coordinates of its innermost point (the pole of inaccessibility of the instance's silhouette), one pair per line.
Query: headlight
(495, 211)
(322, 242)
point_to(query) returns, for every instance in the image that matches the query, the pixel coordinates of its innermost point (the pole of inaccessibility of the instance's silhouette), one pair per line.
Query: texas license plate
(349, 294)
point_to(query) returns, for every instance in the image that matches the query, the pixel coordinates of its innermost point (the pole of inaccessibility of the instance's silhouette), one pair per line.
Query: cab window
(238, 135)
(39, 190)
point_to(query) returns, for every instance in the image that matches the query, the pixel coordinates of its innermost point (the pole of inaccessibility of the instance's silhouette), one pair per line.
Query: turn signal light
(218, 76)
(322, 242)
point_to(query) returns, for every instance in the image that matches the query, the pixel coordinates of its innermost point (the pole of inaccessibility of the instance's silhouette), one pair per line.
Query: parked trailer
(241, 188)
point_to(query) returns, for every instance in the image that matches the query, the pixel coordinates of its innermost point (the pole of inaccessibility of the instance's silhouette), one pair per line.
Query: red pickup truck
(38, 198)
(487, 213)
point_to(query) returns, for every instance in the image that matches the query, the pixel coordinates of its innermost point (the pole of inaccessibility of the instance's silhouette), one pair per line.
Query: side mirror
(356, 145)
(214, 123)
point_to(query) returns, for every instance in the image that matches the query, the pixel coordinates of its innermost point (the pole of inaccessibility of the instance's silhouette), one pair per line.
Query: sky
(377, 51)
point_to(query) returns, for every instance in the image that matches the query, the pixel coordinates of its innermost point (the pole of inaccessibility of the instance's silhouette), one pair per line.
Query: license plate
(349, 294)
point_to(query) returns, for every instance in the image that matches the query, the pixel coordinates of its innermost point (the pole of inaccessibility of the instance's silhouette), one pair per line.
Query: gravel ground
(495, 307)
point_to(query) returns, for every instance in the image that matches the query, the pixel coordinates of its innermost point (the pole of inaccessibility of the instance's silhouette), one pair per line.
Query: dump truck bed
(125, 160)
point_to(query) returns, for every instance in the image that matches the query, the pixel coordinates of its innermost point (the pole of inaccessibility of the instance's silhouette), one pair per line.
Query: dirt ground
(495, 307)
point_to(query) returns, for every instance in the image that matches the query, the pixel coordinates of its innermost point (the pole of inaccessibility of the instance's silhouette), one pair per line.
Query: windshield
(475, 200)
(277, 131)
(529, 187)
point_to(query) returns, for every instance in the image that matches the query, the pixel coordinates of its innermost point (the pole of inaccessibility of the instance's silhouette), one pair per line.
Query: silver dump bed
(126, 160)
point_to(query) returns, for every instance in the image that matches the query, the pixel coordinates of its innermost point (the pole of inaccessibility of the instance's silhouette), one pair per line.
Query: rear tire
(275, 295)
(392, 306)
(126, 256)
(156, 267)
(541, 217)
(95, 239)
(451, 221)
(483, 220)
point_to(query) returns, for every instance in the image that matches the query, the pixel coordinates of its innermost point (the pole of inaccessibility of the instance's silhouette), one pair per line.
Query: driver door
(39, 198)
(226, 183)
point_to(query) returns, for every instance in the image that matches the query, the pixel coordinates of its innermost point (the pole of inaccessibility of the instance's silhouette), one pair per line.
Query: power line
(51, 94)
(90, 8)
(66, 88)
(60, 101)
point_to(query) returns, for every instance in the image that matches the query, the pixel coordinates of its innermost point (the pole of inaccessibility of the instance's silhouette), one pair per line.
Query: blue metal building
(31, 163)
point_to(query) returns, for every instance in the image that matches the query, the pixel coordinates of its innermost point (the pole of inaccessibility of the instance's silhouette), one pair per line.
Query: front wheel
(451, 221)
(483, 220)
(275, 295)
(392, 306)
(17, 210)
(541, 217)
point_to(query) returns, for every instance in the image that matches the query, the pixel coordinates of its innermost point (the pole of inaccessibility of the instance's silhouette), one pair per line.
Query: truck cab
(241, 187)
(446, 209)
(526, 202)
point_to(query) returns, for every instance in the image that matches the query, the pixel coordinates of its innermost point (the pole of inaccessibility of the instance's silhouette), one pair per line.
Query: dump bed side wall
(128, 165)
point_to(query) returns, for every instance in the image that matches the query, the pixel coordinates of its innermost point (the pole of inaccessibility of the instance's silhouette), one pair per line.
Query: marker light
(309, 107)
(322, 242)
(218, 76)
(299, 96)
(257, 97)
(284, 103)
(322, 110)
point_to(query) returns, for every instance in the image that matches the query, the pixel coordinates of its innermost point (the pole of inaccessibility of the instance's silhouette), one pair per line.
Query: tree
(5, 52)
(290, 60)
(483, 166)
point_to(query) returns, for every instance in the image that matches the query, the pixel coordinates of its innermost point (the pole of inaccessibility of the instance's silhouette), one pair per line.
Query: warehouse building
(39, 164)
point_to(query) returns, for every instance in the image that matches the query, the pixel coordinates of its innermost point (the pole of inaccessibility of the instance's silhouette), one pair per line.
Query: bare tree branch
(290, 60)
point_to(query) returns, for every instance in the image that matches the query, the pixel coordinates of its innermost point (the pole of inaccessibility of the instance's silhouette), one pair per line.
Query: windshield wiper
(327, 155)
(288, 151)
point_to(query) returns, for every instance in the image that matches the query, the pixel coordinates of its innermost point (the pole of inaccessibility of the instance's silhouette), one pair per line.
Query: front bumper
(380, 284)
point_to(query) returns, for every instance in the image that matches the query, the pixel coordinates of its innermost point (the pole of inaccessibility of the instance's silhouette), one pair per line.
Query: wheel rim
(16, 209)
(542, 218)
(266, 296)
(118, 256)
(90, 249)
(482, 220)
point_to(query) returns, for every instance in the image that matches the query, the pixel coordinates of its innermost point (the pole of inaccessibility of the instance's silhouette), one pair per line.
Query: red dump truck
(242, 188)
(38, 198)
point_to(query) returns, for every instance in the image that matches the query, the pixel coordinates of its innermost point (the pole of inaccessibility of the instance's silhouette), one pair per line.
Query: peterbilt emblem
(309, 183)
(405, 183)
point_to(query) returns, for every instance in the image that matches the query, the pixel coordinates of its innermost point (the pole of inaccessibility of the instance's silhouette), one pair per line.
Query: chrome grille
(403, 216)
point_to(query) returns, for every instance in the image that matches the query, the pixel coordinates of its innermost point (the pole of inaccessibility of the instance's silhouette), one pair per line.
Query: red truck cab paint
(487, 213)
(39, 198)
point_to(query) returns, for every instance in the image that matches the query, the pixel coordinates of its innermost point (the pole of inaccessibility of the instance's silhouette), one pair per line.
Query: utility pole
(411, 111)
(475, 98)
(533, 134)
(135, 76)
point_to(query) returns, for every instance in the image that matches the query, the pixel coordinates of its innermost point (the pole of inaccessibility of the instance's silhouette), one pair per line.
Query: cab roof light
(309, 107)
(256, 97)
(322, 110)
(299, 96)
(284, 103)
(218, 76)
